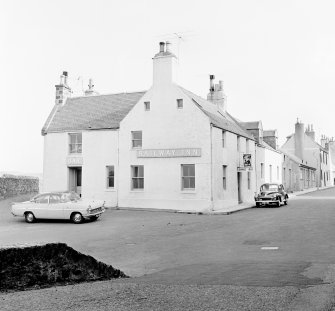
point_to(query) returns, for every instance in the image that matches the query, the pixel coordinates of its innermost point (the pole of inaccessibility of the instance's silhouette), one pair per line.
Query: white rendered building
(165, 148)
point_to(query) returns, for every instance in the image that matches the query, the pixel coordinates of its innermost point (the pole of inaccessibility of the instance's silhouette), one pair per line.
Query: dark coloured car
(271, 194)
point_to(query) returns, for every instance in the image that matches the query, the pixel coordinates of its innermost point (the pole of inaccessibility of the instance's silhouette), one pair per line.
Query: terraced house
(162, 148)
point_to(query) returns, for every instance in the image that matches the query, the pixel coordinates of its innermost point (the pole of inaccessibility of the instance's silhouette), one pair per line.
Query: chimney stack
(310, 132)
(299, 140)
(63, 91)
(216, 94)
(164, 66)
(90, 91)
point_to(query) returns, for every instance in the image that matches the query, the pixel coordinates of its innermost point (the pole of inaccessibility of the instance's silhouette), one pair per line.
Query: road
(286, 253)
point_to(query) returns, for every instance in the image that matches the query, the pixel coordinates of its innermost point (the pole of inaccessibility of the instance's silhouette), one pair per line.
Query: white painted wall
(229, 156)
(165, 127)
(99, 150)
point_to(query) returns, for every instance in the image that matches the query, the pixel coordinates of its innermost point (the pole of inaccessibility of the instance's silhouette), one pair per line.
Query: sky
(276, 58)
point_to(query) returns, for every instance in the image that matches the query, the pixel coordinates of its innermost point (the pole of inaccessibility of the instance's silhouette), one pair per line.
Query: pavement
(261, 259)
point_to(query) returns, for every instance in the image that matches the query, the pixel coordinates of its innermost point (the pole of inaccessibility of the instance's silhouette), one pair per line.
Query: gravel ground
(122, 296)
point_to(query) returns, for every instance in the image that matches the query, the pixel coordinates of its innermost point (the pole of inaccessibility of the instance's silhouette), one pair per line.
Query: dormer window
(180, 103)
(146, 106)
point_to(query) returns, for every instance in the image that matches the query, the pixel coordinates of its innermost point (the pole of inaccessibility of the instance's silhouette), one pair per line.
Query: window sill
(110, 190)
(137, 190)
(188, 191)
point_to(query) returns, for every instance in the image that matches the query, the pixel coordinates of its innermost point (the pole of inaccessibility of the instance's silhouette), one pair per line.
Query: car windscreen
(269, 187)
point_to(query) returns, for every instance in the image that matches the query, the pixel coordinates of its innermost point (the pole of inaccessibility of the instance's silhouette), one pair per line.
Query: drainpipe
(256, 168)
(212, 199)
(118, 168)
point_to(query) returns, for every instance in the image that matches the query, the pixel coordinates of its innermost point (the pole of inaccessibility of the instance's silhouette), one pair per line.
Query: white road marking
(269, 248)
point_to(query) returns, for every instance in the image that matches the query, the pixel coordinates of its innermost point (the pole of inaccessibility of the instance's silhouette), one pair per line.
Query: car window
(269, 187)
(69, 196)
(42, 199)
(54, 198)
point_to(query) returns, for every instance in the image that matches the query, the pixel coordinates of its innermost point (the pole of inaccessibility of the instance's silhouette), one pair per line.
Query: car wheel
(29, 217)
(77, 218)
(278, 203)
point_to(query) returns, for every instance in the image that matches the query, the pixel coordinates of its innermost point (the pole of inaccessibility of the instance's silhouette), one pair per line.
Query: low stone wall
(11, 185)
(28, 267)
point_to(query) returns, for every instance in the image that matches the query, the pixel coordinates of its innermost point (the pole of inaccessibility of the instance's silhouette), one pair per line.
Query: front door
(75, 177)
(239, 187)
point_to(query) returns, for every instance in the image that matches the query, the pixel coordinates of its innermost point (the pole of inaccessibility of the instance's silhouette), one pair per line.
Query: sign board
(169, 153)
(74, 161)
(247, 160)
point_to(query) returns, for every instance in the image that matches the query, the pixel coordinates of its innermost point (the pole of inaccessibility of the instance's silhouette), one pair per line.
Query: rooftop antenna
(179, 36)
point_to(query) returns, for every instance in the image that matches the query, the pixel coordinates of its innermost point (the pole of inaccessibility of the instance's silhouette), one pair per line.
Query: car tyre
(258, 204)
(29, 217)
(77, 218)
(278, 203)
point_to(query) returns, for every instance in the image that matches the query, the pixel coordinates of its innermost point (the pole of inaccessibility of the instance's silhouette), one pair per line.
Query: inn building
(164, 148)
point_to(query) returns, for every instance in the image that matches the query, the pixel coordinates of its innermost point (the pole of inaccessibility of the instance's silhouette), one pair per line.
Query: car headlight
(89, 209)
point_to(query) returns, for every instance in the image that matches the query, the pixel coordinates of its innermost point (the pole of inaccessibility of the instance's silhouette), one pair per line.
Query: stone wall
(12, 185)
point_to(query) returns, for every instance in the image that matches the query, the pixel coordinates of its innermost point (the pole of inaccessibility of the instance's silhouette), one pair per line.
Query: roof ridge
(109, 94)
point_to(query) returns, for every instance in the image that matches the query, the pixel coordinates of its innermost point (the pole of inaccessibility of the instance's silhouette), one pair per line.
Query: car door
(40, 206)
(56, 207)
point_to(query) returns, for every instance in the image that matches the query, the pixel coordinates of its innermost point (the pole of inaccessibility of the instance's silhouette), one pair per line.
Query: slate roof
(219, 119)
(253, 125)
(269, 133)
(295, 159)
(91, 112)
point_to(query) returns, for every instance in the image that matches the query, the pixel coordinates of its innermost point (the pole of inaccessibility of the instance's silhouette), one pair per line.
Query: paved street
(291, 248)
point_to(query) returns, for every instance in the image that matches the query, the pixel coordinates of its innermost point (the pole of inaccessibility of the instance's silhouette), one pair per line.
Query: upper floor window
(188, 176)
(262, 170)
(110, 176)
(147, 106)
(270, 169)
(180, 103)
(75, 145)
(247, 147)
(136, 139)
(223, 138)
(277, 172)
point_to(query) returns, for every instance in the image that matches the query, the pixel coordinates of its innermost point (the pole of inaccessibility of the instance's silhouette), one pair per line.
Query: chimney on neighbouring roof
(299, 141)
(63, 91)
(271, 138)
(216, 94)
(310, 131)
(164, 66)
(324, 141)
(90, 91)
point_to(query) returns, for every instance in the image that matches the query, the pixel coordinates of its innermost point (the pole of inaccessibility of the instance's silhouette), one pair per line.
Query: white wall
(165, 127)
(229, 156)
(99, 150)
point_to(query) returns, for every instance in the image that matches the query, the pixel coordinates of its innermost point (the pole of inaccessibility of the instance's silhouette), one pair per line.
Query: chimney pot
(65, 73)
(161, 47)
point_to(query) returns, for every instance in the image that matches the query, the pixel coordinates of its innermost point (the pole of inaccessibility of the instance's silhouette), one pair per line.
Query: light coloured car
(58, 205)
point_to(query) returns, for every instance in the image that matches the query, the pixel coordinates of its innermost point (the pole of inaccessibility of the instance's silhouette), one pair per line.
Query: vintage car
(58, 205)
(271, 194)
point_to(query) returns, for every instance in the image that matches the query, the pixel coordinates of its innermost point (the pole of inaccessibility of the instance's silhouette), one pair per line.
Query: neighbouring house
(314, 166)
(268, 157)
(165, 148)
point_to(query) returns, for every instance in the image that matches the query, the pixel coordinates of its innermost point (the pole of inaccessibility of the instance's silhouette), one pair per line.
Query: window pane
(140, 171)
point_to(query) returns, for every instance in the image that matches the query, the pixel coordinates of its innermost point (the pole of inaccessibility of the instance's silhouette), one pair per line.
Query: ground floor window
(249, 181)
(187, 176)
(137, 177)
(224, 176)
(110, 176)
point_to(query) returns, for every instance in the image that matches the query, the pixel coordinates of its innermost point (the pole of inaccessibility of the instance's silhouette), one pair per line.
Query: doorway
(75, 177)
(239, 196)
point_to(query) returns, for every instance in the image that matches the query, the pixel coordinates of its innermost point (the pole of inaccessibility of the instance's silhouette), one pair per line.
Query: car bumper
(88, 216)
(267, 202)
